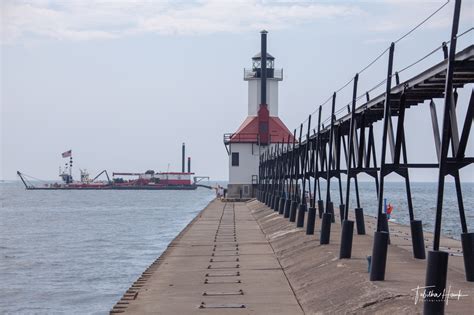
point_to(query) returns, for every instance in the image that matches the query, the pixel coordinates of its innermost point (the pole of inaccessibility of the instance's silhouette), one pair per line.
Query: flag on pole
(67, 154)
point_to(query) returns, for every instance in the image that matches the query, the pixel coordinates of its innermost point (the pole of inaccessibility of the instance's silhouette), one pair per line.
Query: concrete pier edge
(138, 284)
(317, 279)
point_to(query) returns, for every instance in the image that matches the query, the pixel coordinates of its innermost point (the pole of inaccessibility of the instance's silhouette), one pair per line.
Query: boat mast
(70, 167)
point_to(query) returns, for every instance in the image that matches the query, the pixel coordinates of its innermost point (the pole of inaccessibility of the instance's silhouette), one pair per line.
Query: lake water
(423, 199)
(79, 251)
(76, 252)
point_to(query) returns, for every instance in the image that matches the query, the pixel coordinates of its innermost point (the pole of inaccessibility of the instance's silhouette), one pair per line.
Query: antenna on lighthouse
(263, 65)
(263, 113)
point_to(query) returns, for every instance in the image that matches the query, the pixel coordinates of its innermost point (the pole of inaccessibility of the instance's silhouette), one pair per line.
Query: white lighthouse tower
(260, 129)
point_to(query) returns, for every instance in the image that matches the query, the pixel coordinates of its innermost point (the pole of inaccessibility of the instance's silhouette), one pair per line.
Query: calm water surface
(424, 203)
(71, 252)
(78, 251)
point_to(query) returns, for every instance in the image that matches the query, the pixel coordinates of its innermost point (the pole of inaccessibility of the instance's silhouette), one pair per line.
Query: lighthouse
(262, 127)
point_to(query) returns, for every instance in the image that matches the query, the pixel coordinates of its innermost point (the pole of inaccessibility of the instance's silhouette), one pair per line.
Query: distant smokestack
(182, 158)
(189, 164)
(263, 66)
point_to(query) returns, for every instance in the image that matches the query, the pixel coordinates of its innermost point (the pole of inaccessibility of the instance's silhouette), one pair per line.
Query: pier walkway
(325, 284)
(245, 258)
(220, 264)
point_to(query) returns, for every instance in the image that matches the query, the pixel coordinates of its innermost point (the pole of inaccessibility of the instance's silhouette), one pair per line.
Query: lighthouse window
(235, 158)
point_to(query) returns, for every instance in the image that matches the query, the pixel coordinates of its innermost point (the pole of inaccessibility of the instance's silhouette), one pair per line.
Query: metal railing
(248, 138)
(254, 74)
(240, 137)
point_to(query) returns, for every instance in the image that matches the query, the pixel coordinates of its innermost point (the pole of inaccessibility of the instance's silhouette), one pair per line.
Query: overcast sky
(124, 83)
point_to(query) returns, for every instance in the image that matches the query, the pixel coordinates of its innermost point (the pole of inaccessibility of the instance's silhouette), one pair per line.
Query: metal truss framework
(347, 147)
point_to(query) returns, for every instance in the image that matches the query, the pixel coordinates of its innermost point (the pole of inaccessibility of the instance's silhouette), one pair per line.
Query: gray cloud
(94, 19)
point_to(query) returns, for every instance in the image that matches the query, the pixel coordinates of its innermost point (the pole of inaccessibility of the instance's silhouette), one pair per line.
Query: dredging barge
(148, 180)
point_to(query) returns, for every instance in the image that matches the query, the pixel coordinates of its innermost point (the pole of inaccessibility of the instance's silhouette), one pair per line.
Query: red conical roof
(248, 131)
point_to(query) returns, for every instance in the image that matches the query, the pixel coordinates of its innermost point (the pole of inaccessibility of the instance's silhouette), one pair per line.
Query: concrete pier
(244, 258)
(221, 264)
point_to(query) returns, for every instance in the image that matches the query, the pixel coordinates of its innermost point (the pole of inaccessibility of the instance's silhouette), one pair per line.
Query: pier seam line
(276, 256)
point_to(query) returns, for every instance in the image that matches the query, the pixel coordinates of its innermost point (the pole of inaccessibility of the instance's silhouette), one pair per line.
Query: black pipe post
(467, 239)
(342, 210)
(275, 172)
(261, 175)
(271, 171)
(265, 174)
(268, 176)
(284, 171)
(303, 205)
(416, 227)
(446, 117)
(260, 180)
(320, 208)
(384, 225)
(281, 205)
(438, 260)
(417, 239)
(276, 198)
(265, 182)
(261, 170)
(293, 208)
(360, 225)
(337, 142)
(436, 273)
(294, 203)
(328, 216)
(312, 210)
(348, 225)
(286, 213)
(317, 175)
(359, 211)
(379, 251)
(272, 200)
(311, 221)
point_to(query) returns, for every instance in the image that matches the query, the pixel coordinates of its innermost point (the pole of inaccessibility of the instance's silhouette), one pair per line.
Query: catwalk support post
(345, 250)
(380, 247)
(297, 169)
(312, 211)
(304, 161)
(328, 215)
(437, 263)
